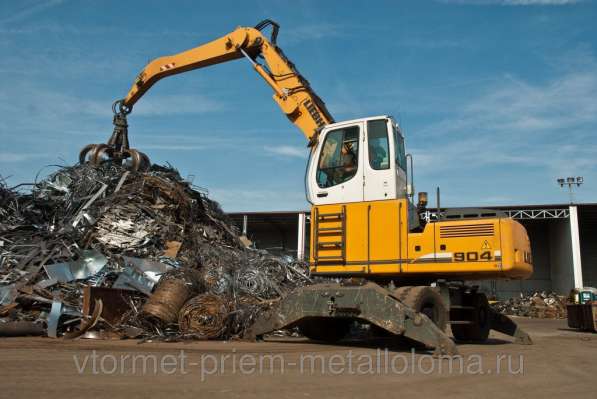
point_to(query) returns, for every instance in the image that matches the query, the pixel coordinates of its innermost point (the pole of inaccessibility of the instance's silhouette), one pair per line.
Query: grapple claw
(117, 148)
(135, 158)
(145, 162)
(86, 150)
(101, 149)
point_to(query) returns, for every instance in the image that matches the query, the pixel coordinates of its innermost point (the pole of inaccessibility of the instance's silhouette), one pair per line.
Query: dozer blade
(366, 302)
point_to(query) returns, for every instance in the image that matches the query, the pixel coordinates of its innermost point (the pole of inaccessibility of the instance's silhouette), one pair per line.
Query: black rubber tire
(481, 318)
(325, 329)
(426, 300)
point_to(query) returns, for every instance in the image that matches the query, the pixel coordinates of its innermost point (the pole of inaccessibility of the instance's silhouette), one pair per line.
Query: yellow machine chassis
(373, 239)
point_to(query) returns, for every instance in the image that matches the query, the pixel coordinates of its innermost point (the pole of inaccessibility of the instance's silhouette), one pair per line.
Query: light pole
(571, 182)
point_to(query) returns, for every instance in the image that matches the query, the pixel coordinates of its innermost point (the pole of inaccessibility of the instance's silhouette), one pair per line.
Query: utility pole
(574, 229)
(571, 182)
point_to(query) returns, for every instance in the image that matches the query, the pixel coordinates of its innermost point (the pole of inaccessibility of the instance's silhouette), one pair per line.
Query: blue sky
(496, 98)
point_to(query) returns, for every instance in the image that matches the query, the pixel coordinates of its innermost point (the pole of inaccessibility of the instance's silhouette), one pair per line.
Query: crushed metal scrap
(538, 305)
(102, 251)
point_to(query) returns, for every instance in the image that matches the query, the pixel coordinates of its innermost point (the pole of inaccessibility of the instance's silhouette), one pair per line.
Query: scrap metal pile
(103, 251)
(539, 305)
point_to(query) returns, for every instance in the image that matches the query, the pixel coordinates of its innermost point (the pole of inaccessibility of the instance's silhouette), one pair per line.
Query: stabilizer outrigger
(333, 306)
(325, 312)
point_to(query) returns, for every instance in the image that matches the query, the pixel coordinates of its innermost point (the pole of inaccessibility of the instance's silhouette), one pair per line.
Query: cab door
(335, 173)
(379, 166)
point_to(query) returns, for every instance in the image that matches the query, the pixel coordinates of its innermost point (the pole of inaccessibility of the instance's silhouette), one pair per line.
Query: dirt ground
(560, 363)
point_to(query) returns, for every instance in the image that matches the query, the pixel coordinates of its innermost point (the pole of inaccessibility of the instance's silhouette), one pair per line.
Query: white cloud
(9, 157)
(430, 43)
(27, 108)
(516, 135)
(512, 107)
(287, 151)
(236, 200)
(50, 27)
(540, 2)
(295, 34)
(566, 102)
(173, 147)
(176, 104)
(514, 2)
(191, 140)
(29, 10)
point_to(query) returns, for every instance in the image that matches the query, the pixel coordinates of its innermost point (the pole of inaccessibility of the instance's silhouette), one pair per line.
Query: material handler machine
(395, 265)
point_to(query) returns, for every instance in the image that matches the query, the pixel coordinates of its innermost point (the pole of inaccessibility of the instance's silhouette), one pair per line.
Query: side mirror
(410, 190)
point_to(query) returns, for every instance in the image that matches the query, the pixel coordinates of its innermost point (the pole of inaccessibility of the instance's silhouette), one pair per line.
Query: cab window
(379, 146)
(400, 155)
(339, 158)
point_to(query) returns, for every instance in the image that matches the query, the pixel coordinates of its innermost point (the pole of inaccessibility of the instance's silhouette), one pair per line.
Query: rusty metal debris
(205, 315)
(168, 298)
(21, 328)
(538, 305)
(87, 324)
(149, 239)
(116, 302)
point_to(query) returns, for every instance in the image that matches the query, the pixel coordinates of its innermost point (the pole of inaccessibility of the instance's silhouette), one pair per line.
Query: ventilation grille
(466, 230)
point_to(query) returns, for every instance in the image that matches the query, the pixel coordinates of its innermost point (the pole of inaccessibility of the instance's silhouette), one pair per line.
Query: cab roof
(369, 118)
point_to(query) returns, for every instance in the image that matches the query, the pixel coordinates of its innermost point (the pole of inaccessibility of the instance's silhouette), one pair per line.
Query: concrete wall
(276, 232)
(552, 260)
(541, 280)
(273, 237)
(560, 251)
(588, 244)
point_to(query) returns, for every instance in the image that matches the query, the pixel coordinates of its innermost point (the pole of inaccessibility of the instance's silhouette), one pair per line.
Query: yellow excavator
(400, 267)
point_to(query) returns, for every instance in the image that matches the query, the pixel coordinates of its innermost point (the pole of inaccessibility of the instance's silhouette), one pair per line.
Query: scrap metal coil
(205, 315)
(167, 299)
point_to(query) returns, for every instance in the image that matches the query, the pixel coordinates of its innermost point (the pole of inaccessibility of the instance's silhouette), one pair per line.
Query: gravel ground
(560, 363)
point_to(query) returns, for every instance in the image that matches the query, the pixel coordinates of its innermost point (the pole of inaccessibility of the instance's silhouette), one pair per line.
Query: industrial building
(563, 240)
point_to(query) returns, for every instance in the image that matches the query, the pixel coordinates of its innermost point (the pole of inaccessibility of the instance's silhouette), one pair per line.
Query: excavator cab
(357, 160)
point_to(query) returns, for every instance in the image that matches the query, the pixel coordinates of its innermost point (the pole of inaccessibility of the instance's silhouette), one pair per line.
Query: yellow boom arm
(292, 91)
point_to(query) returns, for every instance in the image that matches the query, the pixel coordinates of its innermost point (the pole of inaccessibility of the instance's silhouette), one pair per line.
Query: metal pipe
(368, 238)
(259, 69)
(400, 235)
(438, 216)
(245, 224)
(409, 159)
(300, 245)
